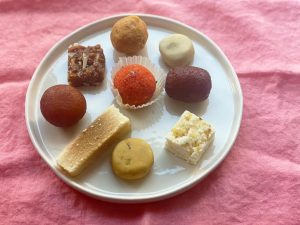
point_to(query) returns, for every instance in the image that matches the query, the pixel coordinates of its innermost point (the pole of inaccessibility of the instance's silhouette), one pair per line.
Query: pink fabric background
(259, 181)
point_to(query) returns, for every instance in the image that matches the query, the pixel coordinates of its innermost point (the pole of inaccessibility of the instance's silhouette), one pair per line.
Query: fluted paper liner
(159, 75)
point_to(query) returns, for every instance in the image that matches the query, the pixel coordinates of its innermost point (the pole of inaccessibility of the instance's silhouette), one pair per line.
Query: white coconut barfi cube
(190, 137)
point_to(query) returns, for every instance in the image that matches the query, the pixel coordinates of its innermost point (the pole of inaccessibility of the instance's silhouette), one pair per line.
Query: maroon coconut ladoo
(188, 84)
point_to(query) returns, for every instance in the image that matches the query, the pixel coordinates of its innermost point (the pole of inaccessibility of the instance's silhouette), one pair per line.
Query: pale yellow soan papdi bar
(93, 140)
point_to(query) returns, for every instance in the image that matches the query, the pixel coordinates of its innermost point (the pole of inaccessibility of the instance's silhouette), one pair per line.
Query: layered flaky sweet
(86, 65)
(106, 128)
(190, 137)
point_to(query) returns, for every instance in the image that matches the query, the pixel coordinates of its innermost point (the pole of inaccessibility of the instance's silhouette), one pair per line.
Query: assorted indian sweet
(129, 34)
(188, 84)
(136, 83)
(176, 50)
(107, 128)
(189, 138)
(62, 105)
(132, 159)
(86, 65)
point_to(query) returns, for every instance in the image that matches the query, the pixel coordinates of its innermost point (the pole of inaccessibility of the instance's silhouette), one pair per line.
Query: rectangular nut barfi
(86, 65)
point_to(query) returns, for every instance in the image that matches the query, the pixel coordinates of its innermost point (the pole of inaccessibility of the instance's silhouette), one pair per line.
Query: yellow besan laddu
(132, 159)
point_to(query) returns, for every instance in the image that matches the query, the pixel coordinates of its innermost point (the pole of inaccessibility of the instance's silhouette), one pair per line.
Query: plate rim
(152, 197)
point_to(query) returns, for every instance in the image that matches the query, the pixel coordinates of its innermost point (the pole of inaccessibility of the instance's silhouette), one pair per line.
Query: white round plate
(169, 175)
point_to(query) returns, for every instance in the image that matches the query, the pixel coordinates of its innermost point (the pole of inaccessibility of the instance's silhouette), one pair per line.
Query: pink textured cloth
(259, 181)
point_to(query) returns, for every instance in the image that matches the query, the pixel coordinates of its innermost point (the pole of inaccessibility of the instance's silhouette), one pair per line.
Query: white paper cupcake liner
(159, 75)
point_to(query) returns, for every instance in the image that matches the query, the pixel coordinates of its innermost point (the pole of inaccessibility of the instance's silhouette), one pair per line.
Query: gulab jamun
(188, 84)
(62, 105)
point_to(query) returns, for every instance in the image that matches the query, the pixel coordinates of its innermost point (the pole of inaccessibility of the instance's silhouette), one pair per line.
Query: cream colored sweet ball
(177, 50)
(129, 34)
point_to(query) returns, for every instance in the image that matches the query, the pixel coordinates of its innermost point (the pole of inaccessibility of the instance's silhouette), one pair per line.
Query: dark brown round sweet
(188, 84)
(63, 105)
